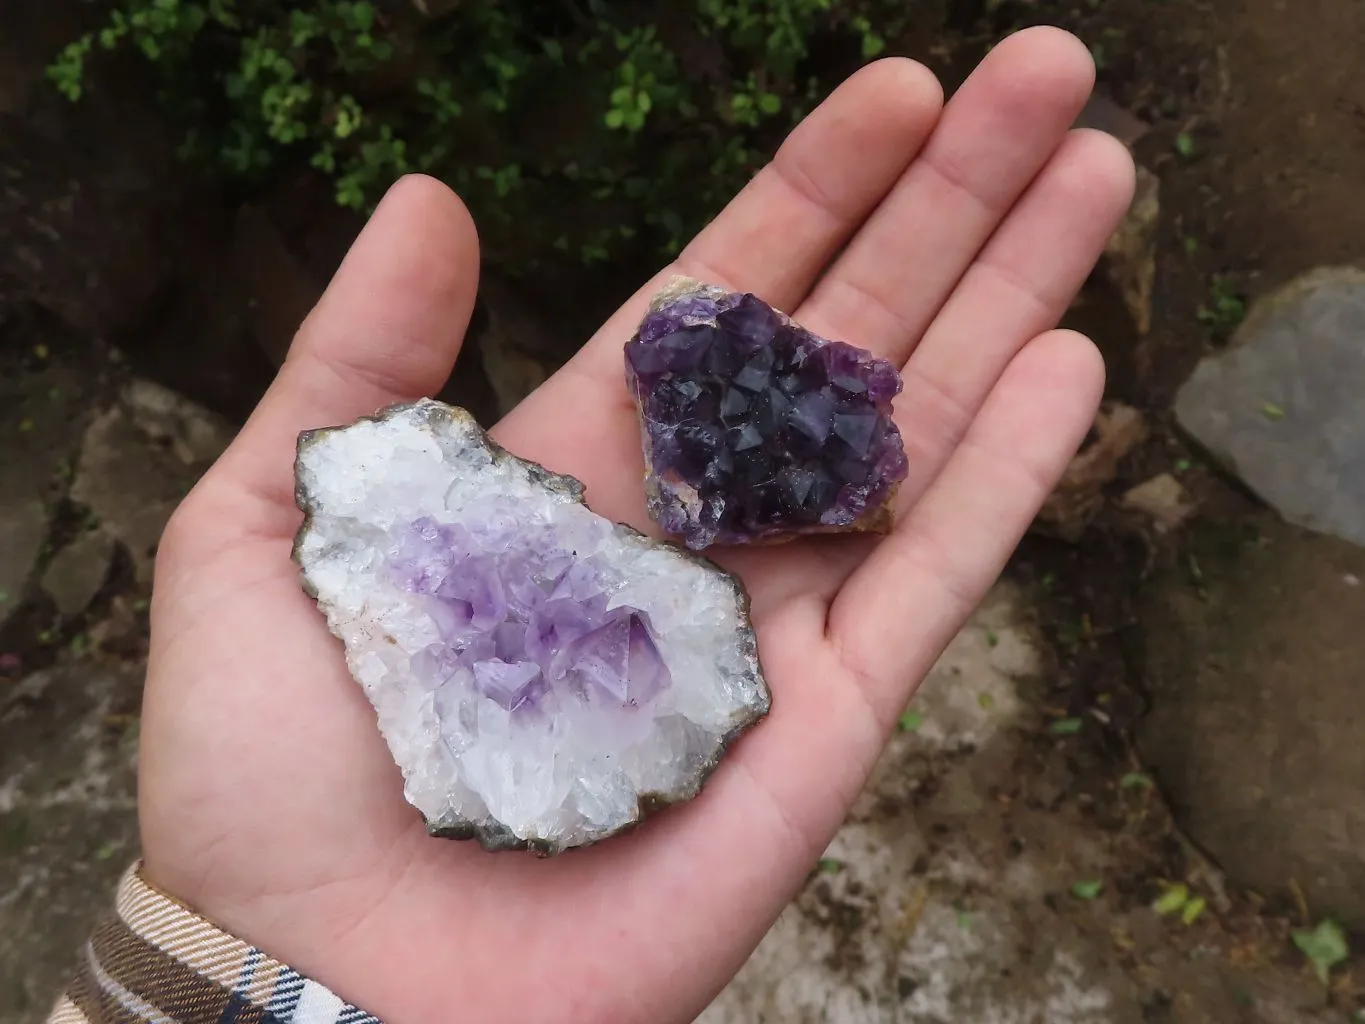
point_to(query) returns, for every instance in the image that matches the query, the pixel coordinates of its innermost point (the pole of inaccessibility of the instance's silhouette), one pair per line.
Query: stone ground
(1158, 703)
(988, 872)
(967, 886)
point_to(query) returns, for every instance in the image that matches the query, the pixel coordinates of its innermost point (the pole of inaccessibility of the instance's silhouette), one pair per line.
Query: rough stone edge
(496, 838)
(1295, 290)
(876, 520)
(1263, 313)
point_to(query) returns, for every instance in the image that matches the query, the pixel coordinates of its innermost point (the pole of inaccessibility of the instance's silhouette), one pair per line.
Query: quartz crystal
(754, 428)
(543, 676)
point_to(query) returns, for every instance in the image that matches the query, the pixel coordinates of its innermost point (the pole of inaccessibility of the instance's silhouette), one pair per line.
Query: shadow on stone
(1255, 674)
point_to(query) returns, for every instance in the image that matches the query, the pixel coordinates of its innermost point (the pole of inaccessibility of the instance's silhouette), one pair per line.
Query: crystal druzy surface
(542, 675)
(754, 427)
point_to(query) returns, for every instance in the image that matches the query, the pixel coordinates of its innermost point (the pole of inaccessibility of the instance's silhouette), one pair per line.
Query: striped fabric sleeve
(154, 961)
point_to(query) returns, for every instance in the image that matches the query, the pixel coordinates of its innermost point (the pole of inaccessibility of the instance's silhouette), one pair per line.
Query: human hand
(950, 241)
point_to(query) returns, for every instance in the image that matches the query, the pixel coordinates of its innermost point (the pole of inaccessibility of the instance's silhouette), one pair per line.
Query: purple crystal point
(521, 623)
(622, 661)
(510, 685)
(756, 428)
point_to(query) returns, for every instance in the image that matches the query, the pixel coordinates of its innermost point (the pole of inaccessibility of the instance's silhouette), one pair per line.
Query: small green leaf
(1065, 727)
(107, 851)
(1191, 911)
(985, 701)
(910, 721)
(615, 118)
(1087, 890)
(768, 103)
(1184, 144)
(1172, 899)
(830, 866)
(1271, 411)
(992, 638)
(873, 44)
(1183, 465)
(1191, 244)
(643, 102)
(1135, 780)
(1324, 946)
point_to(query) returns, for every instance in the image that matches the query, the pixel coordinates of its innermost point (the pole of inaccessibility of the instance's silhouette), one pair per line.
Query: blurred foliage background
(600, 130)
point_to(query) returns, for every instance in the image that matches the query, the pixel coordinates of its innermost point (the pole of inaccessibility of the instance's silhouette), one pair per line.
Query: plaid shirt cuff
(154, 961)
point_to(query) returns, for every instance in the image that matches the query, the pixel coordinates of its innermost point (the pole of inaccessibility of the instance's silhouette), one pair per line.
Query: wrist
(154, 957)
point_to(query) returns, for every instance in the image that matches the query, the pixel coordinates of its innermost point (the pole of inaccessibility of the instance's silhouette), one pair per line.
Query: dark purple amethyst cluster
(754, 427)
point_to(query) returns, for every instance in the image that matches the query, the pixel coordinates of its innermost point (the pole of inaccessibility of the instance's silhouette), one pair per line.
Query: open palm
(948, 240)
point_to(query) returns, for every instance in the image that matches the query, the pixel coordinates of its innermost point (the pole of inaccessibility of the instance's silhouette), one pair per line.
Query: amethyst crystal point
(754, 428)
(542, 676)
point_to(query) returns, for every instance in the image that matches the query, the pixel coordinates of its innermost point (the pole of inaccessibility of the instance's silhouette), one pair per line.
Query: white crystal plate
(543, 677)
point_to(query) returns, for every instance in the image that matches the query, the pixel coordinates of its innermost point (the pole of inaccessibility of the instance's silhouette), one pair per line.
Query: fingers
(996, 134)
(777, 235)
(782, 229)
(387, 330)
(896, 613)
(773, 239)
(1019, 286)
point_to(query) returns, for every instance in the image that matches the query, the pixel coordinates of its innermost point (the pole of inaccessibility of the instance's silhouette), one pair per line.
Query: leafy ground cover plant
(584, 126)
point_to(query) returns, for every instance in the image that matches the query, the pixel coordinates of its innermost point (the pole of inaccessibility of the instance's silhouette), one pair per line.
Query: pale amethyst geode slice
(755, 429)
(543, 677)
